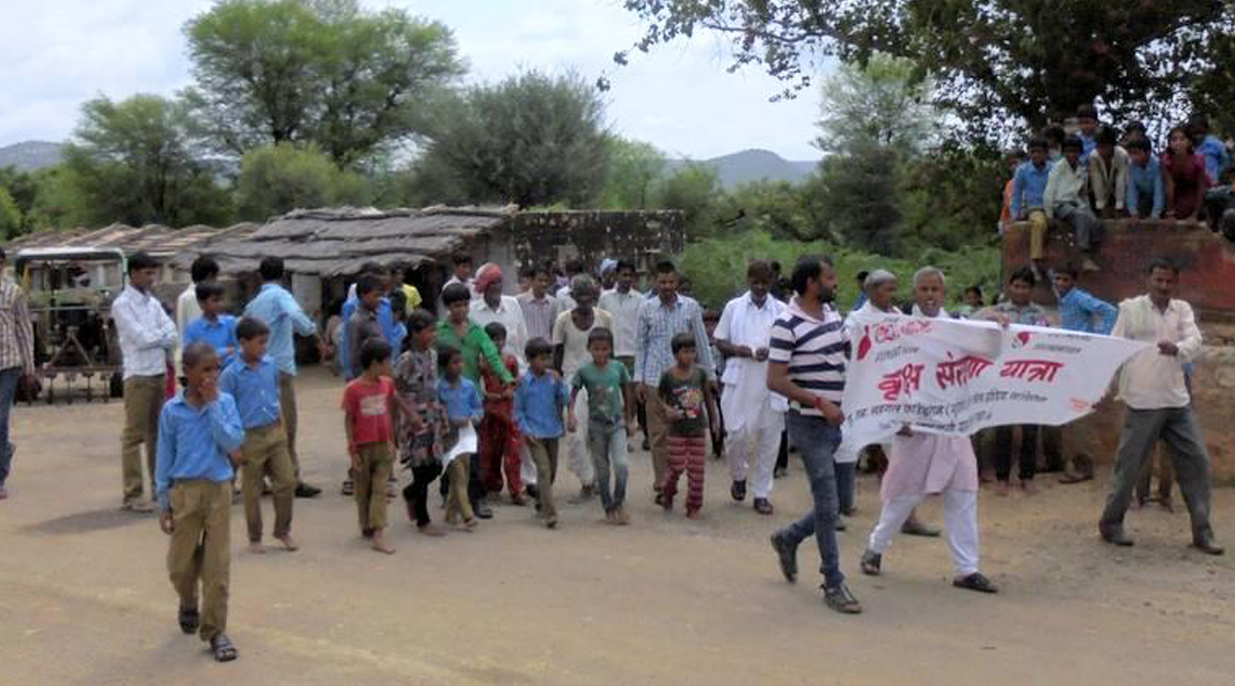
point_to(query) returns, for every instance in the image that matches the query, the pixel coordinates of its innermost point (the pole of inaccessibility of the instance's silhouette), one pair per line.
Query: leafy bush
(717, 266)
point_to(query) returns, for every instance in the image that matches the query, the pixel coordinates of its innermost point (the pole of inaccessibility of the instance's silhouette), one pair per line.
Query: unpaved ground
(84, 597)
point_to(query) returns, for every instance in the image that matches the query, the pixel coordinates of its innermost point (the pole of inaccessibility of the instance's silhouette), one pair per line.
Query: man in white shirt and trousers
(1152, 385)
(147, 338)
(922, 464)
(754, 416)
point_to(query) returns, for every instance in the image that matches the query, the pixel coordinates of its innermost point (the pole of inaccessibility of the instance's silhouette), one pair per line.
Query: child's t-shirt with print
(604, 389)
(685, 395)
(368, 405)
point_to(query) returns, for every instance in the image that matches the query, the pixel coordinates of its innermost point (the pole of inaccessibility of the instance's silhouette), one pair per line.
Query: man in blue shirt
(214, 326)
(253, 381)
(1146, 194)
(199, 437)
(1028, 187)
(278, 310)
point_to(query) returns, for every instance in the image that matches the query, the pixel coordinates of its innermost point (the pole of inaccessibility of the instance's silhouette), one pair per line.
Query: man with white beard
(754, 416)
(922, 464)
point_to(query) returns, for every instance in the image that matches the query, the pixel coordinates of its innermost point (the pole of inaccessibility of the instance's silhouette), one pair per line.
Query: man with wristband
(807, 366)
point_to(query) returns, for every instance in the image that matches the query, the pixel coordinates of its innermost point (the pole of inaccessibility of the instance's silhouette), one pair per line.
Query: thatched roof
(160, 241)
(338, 242)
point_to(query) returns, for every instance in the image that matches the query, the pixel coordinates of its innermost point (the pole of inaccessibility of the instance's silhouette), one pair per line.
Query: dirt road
(84, 597)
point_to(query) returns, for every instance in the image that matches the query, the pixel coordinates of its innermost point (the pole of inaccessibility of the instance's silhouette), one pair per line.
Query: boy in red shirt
(368, 403)
(500, 444)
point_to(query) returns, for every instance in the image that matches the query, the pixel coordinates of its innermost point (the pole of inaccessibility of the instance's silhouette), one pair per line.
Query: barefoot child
(462, 402)
(684, 393)
(539, 401)
(367, 406)
(421, 430)
(610, 420)
(198, 429)
(500, 445)
(253, 382)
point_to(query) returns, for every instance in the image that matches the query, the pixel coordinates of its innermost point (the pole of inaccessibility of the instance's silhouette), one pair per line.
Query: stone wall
(594, 235)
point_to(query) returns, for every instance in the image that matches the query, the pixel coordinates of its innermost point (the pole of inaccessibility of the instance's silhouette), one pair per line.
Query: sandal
(223, 649)
(190, 620)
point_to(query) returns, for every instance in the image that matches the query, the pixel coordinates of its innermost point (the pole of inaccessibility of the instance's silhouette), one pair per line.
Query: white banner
(956, 377)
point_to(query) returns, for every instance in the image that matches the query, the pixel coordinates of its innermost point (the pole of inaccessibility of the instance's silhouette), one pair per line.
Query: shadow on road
(86, 522)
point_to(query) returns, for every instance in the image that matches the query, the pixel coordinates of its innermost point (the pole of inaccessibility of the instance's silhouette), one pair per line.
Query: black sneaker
(975, 582)
(304, 490)
(738, 491)
(871, 563)
(787, 556)
(840, 599)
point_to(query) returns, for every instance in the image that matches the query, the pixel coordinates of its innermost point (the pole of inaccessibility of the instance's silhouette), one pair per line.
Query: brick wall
(1207, 281)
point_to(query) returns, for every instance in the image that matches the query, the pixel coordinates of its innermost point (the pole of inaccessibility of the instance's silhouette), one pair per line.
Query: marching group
(484, 399)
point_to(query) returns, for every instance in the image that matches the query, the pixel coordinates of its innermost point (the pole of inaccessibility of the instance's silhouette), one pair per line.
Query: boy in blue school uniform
(252, 380)
(539, 400)
(214, 326)
(199, 436)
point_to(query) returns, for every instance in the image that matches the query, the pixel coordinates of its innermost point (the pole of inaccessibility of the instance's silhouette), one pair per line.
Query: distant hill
(31, 155)
(754, 165)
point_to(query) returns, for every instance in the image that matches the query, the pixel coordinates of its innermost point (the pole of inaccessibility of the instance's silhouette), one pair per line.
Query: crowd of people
(484, 397)
(1087, 171)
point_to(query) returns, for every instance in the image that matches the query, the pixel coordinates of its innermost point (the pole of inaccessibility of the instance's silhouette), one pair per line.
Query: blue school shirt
(1217, 159)
(194, 443)
(1088, 145)
(1078, 309)
(539, 401)
(255, 390)
(393, 331)
(220, 334)
(280, 311)
(461, 401)
(1028, 187)
(1146, 181)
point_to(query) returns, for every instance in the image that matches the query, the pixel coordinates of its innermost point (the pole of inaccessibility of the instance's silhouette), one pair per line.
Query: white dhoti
(578, 459)
(752, 447)
(926, 464)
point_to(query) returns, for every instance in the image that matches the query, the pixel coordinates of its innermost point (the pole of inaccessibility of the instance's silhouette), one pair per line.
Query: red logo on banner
(864, 346)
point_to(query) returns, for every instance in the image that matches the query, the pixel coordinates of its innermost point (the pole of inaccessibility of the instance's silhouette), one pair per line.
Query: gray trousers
(1087, 227)
(1177, 426)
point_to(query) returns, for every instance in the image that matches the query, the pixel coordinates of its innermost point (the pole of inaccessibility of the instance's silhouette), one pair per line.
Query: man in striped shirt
(807, 365)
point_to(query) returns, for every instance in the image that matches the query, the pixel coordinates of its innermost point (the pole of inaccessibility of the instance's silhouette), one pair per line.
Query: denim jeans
(8, 388)
(607, 441)
(846, 477)
(816, 441)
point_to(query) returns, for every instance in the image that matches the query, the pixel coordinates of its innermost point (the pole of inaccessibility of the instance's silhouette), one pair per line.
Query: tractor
(70, 291)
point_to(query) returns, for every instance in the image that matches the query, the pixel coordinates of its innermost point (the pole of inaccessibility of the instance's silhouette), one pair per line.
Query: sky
(679, 97)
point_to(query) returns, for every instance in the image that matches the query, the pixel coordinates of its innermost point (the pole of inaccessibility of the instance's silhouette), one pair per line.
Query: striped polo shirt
(814, 350)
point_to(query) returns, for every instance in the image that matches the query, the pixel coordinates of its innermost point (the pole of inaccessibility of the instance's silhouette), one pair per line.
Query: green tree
(881, 103)
(694, 189)
(998, 64)
(531, 139)
(58, 203)
(858, 193)
(134, 162)
(275, 179)
(327, 72)
(10, 216)
(634, 169)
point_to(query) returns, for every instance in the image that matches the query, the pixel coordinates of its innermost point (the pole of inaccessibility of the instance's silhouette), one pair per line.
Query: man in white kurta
(922, 464)
(754, 416)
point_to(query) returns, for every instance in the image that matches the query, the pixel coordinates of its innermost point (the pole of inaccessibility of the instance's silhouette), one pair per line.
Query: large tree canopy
(996, 63)
(326, 72)
(133, 161)
(531, 139)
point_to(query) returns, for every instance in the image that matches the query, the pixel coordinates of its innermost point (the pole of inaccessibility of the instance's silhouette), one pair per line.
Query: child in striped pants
(685, 393)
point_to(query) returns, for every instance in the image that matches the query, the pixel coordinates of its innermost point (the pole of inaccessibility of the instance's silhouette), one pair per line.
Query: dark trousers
(417, 492)
(1003, 452)
(782, 457)
(846, 477)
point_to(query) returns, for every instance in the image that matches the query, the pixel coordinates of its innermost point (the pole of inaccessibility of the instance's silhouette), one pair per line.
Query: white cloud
(679, 97)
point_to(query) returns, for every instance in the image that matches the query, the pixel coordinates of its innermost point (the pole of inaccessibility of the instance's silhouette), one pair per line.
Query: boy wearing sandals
(539, 400)
(198, 430)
